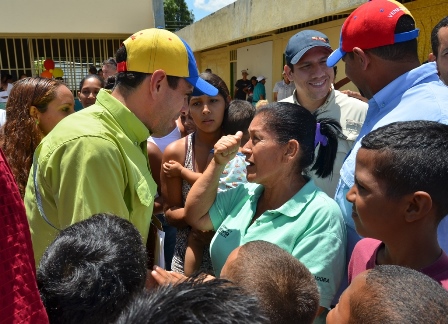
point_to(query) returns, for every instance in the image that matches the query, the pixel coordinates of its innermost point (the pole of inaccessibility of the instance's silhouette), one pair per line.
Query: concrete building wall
(247, 18)
(247, 23)
(76, 16)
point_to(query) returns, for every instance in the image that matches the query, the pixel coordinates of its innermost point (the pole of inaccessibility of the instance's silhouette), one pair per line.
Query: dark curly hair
(21, 134)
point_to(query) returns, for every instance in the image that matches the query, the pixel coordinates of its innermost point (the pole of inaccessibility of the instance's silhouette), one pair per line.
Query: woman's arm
(203, 193)
(155, 161)
(172, 186)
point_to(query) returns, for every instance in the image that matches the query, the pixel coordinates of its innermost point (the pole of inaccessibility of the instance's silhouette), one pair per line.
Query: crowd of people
(318, 207)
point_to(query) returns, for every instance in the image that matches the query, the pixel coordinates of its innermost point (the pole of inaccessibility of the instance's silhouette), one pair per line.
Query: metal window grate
(73, 55)
(233, 56)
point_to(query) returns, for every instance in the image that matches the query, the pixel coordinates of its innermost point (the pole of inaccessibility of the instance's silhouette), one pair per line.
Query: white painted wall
(75, 16)
(257, 59)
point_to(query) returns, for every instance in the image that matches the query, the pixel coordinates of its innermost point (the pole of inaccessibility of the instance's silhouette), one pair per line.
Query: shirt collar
(131, 125)
(299, 201)
(296, 204)
(403, 83)
(324, 106)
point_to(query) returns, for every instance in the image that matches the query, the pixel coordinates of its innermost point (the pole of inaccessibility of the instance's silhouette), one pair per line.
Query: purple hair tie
(322, 139)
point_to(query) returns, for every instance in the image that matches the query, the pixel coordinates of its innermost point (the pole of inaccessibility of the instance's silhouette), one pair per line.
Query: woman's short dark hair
(287, 121)
(91, 76)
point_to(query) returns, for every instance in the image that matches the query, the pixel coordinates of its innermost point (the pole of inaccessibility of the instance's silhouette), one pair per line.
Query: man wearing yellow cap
(97, 162)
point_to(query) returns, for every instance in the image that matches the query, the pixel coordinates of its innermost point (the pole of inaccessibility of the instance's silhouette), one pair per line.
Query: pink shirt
(364, 258)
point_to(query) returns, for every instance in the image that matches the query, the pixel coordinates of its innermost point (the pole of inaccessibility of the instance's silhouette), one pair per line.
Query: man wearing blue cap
(97, 161)
(379, 47)
(306, 56)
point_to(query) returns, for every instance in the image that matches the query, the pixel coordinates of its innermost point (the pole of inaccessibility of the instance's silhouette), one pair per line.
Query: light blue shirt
(415, 95)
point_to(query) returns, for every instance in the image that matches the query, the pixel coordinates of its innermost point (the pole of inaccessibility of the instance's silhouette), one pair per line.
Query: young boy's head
(285, 288)
(391, 294)
(239, 117)
(401, 170)
(194, 301)
(92, 270)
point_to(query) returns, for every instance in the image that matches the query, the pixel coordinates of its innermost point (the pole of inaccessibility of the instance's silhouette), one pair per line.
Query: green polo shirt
(309, 226)
(93, 161)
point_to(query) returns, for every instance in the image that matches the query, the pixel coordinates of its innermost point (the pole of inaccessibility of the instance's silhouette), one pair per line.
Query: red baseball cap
(372, 25)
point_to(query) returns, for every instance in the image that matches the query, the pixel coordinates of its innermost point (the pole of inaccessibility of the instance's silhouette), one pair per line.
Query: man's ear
(288, 72)
(158, 79)
(361, 57)
(291, 150)
(431, 57)
(419, 206)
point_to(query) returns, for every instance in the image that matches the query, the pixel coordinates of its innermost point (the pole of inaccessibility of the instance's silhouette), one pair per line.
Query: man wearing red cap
(379, 47)
(97, 162)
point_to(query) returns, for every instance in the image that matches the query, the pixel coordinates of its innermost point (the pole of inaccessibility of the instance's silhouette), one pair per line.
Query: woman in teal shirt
(280, 204)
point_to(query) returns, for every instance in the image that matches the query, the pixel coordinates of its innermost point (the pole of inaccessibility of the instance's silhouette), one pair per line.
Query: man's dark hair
(435, 43)
(412, 156)
(92, 270)
(93, 70)
(128, 81)
(239, 117)
(109, 84)
(194, 301)
(404, 51)
(396, 295)
(111, 61)
(285, 288)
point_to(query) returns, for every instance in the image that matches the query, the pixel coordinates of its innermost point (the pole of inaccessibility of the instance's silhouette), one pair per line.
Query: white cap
(261, 77)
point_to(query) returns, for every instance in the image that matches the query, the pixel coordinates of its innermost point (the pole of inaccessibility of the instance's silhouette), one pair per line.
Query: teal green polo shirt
(93, 161)
(309, 226)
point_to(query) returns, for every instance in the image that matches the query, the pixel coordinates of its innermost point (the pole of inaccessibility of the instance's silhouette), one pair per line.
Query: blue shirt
(259, 90)
(415, 95)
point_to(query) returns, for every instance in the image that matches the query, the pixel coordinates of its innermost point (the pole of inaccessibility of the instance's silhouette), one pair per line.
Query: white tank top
(163, 142)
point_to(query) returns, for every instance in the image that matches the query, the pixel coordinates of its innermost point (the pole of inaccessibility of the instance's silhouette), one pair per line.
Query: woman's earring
(37, 121)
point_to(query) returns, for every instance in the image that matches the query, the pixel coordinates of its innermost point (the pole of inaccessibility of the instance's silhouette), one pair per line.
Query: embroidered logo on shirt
(352, 126)
(322, 279)
(224, 231)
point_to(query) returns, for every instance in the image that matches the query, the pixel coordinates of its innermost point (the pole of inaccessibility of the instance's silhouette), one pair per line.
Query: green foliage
(177, 14)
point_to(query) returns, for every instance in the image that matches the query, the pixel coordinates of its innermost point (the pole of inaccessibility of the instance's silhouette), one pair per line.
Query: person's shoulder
(176, 149)
(366, 246)
(279, 83)
(319, 202)
(352, 103)
(289, 99)
(434, 95)
(353, 112)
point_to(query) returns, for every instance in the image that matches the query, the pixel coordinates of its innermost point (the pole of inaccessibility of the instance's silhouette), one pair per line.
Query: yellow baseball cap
(158, 49)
